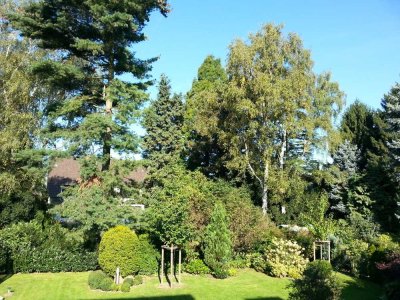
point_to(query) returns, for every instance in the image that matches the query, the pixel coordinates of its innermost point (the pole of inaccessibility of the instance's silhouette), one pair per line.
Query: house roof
(67, 172)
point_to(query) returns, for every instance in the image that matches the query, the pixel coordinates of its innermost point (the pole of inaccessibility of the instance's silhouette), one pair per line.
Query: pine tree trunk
(107, 136)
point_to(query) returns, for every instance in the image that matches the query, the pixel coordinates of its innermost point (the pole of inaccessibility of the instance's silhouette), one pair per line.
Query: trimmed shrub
(284, 259)
(318, 282)
(95, 279)
(106, 284)
(137, 280)
(147, 256)
(129, 281)
(197, 266)
(118, 248)
(53, 259)
(125, 287)
(42, 246)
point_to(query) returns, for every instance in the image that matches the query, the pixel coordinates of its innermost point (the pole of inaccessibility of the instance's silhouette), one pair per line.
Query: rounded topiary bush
(118, 248)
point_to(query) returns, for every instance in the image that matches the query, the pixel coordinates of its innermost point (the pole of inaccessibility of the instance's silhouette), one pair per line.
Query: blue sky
(358, 41)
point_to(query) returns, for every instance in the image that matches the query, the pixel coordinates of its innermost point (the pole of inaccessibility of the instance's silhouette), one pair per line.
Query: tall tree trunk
(283, 149)
(265, 189)
(107, 135)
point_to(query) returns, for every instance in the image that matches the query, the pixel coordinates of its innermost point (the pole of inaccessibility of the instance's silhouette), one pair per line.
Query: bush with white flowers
(284, 259)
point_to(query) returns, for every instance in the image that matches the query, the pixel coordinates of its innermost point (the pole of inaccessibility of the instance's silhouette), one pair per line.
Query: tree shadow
(265, 298)
(4, 277)
(361, 289)
(177, 297)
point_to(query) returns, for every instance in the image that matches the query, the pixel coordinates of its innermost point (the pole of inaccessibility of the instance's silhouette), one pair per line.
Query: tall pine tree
(391, 113)
(163, 122)
(92, 40)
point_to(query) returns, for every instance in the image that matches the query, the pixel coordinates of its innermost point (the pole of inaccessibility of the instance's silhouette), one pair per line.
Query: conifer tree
(391, 113)
(204, 149)
(163, 122)
(217, 242)
(92, 40)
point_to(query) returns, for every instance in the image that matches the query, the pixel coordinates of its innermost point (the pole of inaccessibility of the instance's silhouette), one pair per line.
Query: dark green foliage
(41, 246)
(96, 209)
(126, 286)
(95, 278)
(5, 259)
(204, 150)
(318, 282)
(218, 243)
(392, 290)
(169, 209)
(163, 122)
(118, 248)
(147, 256)
(355, 128)
(391, 114)
(93, 39)
(257, 262)
(196, 266)
(137, 280)
(53, 259)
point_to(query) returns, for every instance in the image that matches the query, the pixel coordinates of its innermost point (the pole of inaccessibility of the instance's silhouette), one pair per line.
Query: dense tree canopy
(91, 40)
(253, 154)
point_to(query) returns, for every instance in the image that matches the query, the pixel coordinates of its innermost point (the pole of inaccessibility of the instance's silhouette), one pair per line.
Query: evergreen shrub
(147, 256)
(218, 243)
(118, 248)
(95, 278)
(318, 282)
(53, 259)
(107, 284)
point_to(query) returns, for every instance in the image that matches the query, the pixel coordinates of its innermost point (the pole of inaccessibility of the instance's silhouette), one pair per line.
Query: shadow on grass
(177, 297)
(4, 277)
(361, 289)
(265, 298)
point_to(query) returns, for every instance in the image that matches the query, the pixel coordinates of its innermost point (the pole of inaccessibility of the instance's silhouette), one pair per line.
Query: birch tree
(274, 103)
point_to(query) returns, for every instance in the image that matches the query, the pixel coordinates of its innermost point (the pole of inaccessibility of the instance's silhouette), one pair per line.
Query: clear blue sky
(358, 41)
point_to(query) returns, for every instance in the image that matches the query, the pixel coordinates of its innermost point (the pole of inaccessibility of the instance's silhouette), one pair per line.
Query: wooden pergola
(171, 248)
(324, 246)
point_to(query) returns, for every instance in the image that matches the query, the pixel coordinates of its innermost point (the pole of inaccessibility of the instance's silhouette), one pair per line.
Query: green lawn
(248, 284)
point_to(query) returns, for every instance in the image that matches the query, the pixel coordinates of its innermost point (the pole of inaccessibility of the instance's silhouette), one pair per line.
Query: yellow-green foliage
(284, 259)
(118, 249)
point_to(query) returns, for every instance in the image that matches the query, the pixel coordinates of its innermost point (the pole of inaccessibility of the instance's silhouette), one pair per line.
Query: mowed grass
(248, 284)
